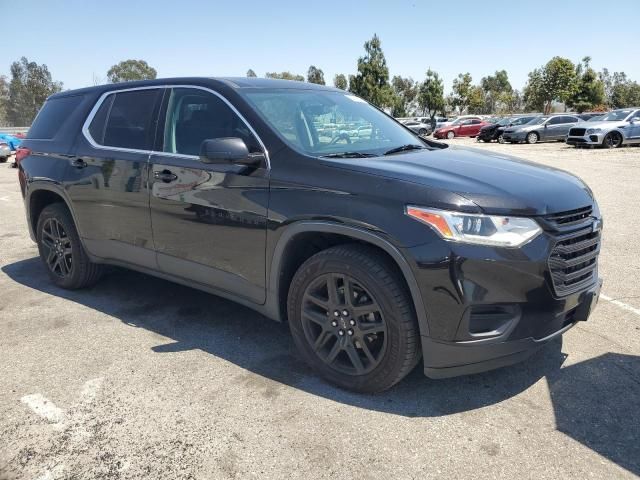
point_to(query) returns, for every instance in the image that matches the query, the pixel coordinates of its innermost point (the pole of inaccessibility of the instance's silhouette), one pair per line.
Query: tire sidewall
(310, 271)
(61, 214)
(532, 138)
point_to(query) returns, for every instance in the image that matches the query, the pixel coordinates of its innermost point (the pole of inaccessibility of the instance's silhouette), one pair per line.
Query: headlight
(593, 130)
(499, 231)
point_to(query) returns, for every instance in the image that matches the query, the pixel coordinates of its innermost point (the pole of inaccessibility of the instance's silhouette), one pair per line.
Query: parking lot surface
(142, 378)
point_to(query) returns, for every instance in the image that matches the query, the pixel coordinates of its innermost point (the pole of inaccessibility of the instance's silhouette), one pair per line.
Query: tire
(532, 138)
(70, 267)
(501, 139)
(612, 140)
(422, 132)
(451, 135)
(3, 159)
(384, 336)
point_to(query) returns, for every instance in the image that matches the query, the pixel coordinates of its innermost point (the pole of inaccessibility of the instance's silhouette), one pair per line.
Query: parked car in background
(462, 127)
(440, 122)
(543, 128)
(419, 127)
(494, 131)
(616, 128)
(5, 151)
(11, 140)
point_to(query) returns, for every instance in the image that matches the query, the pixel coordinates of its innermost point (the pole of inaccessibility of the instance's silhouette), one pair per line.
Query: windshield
(521, 120)
(537, 120)
(616, 115)
(329, 123)
(597, 118)
(504, 121)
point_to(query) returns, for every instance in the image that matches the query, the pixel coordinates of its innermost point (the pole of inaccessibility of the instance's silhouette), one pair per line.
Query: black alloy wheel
(344, 323)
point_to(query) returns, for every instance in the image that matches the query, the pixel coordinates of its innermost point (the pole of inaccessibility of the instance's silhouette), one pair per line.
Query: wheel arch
(40, 195)
(293, 248)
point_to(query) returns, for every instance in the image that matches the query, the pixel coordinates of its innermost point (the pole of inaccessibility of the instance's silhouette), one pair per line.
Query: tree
(29, 87)
(619, 90)
(131, 70)
(510, 102)
(405, 91)
(340, 81)
(431, 96)
(494, 87)
(556, 81)
(4, 99)
(251, 73)
(285, 76)
(315, 75)
(372, 80)
(477, 101)
(534, 98)
(461, 91)
(589, 91)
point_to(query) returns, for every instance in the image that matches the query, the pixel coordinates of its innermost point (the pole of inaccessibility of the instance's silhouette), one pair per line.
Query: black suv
(311, 206)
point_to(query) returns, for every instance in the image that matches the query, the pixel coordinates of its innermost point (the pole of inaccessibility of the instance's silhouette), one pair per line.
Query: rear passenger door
(558, 127)
(108, 176)
(209, 220)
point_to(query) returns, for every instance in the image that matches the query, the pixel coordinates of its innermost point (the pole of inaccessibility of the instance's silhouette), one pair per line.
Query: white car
(616, 128)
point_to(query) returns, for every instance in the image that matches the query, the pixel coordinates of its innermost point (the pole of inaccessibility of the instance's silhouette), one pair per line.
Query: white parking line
(620, 304)
(43, 407)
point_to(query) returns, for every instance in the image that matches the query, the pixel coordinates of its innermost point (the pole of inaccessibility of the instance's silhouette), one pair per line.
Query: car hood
(496, 183)
(603, 125)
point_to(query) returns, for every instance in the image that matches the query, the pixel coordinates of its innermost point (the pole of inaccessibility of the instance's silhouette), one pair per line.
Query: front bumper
(591, 139)
(451, 359)
(491, 307)
(515, 136)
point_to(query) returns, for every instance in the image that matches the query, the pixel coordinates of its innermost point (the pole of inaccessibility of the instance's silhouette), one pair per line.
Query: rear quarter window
(52, 116)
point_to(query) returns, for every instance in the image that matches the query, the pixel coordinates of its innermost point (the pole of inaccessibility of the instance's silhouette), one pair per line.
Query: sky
(80, 40)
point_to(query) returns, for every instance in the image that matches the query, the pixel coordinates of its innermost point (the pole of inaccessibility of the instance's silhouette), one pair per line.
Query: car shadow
(594, 401)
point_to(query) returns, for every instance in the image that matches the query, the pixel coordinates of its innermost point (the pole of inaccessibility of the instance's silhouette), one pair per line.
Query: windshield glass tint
(325, 122)
(616, 115)
(521, 120)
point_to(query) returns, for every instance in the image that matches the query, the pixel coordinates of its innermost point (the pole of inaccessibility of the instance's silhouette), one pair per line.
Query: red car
(462, 127)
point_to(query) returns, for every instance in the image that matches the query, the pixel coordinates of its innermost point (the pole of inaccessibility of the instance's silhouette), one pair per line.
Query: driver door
(208, 220)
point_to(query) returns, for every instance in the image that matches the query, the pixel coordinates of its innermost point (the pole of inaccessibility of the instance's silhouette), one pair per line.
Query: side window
(126, 120)
(52, 116)
(555, 121)
(476, 121)
(195, 115)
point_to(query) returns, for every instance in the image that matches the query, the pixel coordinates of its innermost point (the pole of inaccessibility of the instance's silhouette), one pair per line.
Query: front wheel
(61, 252)
(352, 318)
(501, 139)
(532, 138)
(450, 135)
(422, 132)
(612, 140)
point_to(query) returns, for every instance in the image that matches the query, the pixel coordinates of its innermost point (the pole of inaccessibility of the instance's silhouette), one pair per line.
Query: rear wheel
(532, 138)
(422, 132)
(501, 139)
(352, 319)
(612, 140)
(61, 251)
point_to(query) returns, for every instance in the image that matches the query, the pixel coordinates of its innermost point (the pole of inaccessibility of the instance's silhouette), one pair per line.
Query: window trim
(96, 107)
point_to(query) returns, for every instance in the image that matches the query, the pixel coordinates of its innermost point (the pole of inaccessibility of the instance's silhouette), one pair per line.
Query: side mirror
(228, 150)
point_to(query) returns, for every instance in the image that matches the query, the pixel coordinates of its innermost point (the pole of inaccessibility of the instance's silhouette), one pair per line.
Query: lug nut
(352, 322)
(334, 324)
(336, 313)
(350, 332)
(345, 313)
(341, 332)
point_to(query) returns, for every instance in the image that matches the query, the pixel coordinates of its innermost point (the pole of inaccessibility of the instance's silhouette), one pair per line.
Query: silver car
(419, 127)
(544, 128)
(5, 151)
(616, 128)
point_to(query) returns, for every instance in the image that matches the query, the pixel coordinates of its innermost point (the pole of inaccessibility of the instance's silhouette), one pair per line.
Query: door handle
(79, 163)
(166, 176)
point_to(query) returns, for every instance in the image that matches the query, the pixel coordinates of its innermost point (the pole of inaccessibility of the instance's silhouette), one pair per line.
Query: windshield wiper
(348, 155)
(404, 148)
